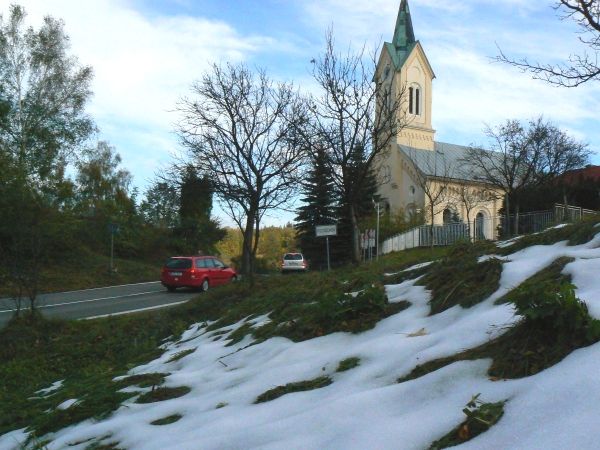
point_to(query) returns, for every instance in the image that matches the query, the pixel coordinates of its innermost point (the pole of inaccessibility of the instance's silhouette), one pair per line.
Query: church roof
(447, 160)
(403, 41)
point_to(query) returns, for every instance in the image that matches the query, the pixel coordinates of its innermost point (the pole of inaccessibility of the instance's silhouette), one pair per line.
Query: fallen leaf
(421, 332)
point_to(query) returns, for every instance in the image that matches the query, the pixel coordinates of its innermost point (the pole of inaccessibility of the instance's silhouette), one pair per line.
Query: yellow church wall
(417, 131)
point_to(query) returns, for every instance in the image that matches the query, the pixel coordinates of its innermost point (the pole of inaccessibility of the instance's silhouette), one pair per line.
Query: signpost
(112, 228)
(326, 231)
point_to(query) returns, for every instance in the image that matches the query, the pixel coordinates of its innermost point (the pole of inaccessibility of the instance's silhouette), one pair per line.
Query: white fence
(491, 228)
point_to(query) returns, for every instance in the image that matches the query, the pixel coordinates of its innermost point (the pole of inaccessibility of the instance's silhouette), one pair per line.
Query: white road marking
(134, 310)
(104, 287)
(87, 301)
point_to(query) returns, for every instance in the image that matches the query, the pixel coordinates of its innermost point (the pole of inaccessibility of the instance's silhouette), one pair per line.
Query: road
(97, 302)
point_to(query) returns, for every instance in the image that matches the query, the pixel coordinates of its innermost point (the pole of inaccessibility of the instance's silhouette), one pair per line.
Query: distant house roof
(447, 160)
(587, 173)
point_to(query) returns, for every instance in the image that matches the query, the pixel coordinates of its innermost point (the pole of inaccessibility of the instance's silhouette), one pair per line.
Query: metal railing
(493, 228)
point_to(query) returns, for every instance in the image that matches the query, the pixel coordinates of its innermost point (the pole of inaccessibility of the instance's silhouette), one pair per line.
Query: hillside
(329, 361)
(90, 269)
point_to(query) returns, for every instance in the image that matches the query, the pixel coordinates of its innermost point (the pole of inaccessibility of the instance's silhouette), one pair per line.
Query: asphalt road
(112, 300)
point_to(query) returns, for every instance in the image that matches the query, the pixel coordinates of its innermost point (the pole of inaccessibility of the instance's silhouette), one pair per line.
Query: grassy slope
(90, 270)
(89, 354)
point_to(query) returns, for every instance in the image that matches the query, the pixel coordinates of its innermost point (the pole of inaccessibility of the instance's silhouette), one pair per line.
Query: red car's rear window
(179, 263)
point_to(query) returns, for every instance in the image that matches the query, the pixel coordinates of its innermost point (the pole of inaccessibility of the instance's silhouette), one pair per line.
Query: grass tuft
(458, 279)
(163, 393)
(299, 386)
(144, 379)
(182, 354)
(167, 420)
(347, 364)
(480, 417)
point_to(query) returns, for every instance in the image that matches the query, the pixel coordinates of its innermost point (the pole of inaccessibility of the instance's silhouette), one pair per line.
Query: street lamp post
(376, 204)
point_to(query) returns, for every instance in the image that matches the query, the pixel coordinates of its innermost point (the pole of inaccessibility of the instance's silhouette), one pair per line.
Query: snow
(51, 389)
(67, 404)
(365, 407)
(408, 269)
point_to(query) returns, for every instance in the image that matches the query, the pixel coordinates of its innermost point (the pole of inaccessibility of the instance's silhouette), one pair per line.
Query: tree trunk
(507, 213)
(432, 207)
(517, 219)
(472, 238)
(355, 236)
(248, 235)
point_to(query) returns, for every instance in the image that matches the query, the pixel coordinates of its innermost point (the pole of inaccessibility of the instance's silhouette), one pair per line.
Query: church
(418, 171)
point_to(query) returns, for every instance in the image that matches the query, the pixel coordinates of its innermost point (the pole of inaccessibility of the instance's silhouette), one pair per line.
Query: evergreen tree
(363, 205)
(160, 207)
(368, 188)
(318, 209)
(197, 231)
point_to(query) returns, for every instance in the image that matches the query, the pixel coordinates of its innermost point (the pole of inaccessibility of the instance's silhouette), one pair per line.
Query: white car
(293, 262)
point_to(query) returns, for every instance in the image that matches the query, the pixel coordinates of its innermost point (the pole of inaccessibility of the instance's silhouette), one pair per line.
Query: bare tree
(471, 197)
(580, 68)
(353, 112)
(554, 151)
(521, 156)
(508, 164)
(241, 130)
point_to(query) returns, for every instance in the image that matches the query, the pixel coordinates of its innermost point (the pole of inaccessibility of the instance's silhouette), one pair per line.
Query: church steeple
(403, 65)
(404, 34)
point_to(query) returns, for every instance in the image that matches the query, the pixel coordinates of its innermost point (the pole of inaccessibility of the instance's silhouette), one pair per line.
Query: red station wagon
(195, 272)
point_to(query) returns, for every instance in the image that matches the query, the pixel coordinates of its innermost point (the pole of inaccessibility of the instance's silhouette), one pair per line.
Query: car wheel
(204, 285)
(234, 278)
(171, 288)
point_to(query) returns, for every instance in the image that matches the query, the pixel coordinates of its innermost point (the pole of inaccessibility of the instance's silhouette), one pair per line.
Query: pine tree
(318, 209)
(363, 197)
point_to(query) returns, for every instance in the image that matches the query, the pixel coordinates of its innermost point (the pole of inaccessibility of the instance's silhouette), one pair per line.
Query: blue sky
(146, 53)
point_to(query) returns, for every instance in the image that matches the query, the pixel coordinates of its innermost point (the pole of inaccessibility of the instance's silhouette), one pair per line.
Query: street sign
(326, 230)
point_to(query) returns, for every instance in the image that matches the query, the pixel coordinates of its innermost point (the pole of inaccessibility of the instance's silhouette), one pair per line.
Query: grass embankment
(88, 355)
(554, 323)
(90, 270)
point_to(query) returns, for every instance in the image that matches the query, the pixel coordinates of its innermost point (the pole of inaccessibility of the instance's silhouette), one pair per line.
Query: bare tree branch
(579, 68)
(241, 129)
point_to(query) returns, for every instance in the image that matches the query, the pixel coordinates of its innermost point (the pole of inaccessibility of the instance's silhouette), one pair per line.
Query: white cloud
(142, 66)
(460, 40)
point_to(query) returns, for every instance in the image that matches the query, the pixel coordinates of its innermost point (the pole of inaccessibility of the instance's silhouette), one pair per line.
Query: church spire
(404, 34)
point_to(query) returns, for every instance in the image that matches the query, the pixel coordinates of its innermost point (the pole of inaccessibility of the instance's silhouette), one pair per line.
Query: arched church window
(450, 216)
(414, 100)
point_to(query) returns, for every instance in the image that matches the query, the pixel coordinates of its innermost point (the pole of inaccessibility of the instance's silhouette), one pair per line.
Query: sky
(146, 53)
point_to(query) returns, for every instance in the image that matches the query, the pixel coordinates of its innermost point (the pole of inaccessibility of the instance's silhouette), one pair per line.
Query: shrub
(480, 417)
(458, 279)
(556, 311)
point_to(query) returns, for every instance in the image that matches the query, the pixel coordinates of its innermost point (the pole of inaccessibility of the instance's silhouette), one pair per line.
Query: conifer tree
(318, 209)
(363, 203)
(197, 230)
